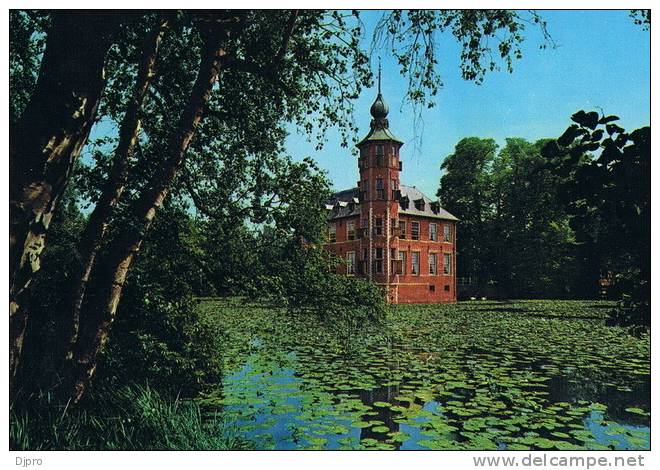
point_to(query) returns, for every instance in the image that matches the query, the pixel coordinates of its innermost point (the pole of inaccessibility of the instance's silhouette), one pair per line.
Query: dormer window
(420, 205)
(404, 202)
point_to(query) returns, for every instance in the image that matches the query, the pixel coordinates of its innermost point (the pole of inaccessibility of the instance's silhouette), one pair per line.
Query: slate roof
(377, 133)
(347, 204)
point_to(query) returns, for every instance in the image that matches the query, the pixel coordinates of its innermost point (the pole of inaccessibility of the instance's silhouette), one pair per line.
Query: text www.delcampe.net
(559, 461)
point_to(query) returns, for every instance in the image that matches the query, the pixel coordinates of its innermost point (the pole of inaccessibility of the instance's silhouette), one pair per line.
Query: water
(442, 377)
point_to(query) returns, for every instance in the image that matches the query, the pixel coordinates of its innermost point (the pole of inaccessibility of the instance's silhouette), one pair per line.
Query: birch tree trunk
(46, 142)
(99, 315)
(95, 231)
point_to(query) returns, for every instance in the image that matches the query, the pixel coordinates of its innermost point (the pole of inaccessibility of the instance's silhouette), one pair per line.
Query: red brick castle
(390, 233)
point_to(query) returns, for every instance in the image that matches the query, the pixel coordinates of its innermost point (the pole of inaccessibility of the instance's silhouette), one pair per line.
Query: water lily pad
(637, 411)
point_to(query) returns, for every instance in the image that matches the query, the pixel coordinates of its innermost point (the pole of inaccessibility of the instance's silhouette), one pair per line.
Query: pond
(475, 375)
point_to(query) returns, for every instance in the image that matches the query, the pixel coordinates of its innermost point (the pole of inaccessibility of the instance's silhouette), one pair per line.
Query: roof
(413, 195)
(377, 133)
(346, 204)
(344, 210)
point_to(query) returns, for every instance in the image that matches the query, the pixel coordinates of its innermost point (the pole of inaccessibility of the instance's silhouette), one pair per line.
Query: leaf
(612, 128)
(606, 119)
(584, 119)
(597, 135)
(637, 411)
(380, 429)
(568, 136)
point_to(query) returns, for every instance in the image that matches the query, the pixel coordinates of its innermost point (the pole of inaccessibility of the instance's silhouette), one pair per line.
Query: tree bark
(99, 315)
(46, 142)
(95, 230)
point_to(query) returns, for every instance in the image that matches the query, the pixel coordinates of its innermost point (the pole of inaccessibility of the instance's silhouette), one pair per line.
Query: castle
(389, 233)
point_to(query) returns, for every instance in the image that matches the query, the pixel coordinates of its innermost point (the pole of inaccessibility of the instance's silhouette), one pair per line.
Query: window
(332, 233)
(378, 228)
(415, 230)
(431, 288)
(350, 262)
(402, 228)
(380, 189)
(446, 287)
(378, 260)
(350, 230)
(433, 232)
(415, 263)
(380, 150)
(447, 233)
(402, 258)
(433, 263)
(447, 264)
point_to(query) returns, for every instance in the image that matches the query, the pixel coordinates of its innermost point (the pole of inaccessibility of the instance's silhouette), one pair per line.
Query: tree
(466, 190)
(46, 141)
(252, 70)
(514, 232)
(607, 191)
(536, 253)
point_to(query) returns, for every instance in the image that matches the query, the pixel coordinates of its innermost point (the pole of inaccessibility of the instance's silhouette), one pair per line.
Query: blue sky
(602, 60)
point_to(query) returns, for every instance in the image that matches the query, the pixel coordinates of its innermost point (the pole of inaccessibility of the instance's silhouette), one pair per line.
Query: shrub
(159, 338)
(307, 284)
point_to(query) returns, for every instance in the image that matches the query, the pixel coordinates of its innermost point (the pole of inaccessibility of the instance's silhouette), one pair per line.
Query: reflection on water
(272, 408)
(451, 396)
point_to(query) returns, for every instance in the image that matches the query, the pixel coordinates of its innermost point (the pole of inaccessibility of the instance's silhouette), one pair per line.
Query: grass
(135, 418)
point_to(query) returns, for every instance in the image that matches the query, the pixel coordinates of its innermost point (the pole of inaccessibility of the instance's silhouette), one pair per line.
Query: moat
(474, 375)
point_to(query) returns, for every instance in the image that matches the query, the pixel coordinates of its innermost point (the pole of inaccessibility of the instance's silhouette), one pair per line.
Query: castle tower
(379, 193)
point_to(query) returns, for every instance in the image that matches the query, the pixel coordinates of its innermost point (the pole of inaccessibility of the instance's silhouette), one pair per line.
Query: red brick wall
(409, 288)
(343, 245)
(416, 288)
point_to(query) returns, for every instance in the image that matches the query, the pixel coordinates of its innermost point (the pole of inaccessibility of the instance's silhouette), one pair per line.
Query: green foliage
(465, 190)
(641, 18)
(27, 40)
(158, 337)
(135, 418)
(485, 36)
(606, 189)
(305, 282)
(513, 233)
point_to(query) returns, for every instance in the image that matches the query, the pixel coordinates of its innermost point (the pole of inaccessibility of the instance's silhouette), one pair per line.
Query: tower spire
(379, 75)
(379, 109)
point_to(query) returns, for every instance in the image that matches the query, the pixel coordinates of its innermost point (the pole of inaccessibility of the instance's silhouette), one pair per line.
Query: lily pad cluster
(476, 375)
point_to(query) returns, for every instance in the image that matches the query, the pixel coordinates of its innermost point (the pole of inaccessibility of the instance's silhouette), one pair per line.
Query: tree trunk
(95, 231)
(46, 142)
(99, 315)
